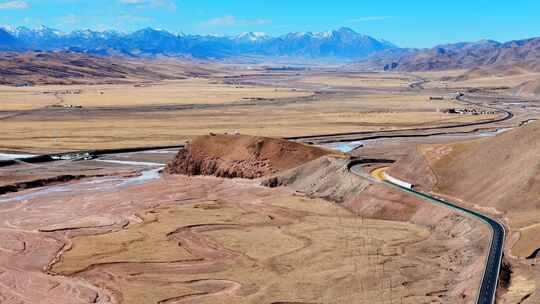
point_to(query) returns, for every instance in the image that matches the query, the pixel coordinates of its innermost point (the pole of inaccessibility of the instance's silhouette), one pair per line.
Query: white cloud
(166, 4)
(233, 21)
(131, 20)
(134, 19)
(259, 21)
(368, 18)
(13, 5)
(69, 19)
(133, 1)
(222, 21)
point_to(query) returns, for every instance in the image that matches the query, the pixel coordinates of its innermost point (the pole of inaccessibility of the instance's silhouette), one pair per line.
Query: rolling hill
(32, 68)
(241, 156)
(471, 55)
(499, 175)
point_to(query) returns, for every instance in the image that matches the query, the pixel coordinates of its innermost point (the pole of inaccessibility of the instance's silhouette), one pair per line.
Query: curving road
(488, 288)
(366, 135)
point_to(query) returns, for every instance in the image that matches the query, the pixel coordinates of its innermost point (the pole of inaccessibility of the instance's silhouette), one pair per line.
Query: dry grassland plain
(202, 240)
(169, 92)
(375, 80)
(207, 240)
(169, 112)
(180, 239)
(476, 81)
(299, 269)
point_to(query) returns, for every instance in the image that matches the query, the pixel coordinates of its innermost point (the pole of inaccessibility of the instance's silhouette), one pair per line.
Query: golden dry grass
(477, 79)
(173, 128)
(209, 240)
(304, 260)
(137, 119)
(141, 243)
(173, 92)
(496, 174)
(486, 82)
(363, 80)
(440, 74)
(529, 241)
(526, 223)
(23, 99)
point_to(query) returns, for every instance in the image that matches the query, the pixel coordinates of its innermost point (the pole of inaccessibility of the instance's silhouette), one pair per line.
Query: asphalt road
(365, 135)
(488, 288)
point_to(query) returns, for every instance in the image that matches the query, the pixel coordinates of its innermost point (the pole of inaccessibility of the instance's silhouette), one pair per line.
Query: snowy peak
(343, 43)
(252, 37)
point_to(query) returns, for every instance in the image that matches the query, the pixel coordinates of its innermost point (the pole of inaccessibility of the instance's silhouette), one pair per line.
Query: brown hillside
(493, 71)
(74, 68)
(499, 175)
(454, 238)
(465, 55)
(501, 172)
(530, 88)
(241, 156)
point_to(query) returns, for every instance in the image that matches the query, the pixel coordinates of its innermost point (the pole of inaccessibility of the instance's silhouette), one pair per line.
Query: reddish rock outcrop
(241, 156)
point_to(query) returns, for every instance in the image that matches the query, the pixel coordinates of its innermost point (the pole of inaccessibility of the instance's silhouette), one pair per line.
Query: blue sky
(406, 23)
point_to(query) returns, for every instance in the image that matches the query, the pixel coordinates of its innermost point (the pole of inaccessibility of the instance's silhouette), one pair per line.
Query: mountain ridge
(462, 55)
(343, 43)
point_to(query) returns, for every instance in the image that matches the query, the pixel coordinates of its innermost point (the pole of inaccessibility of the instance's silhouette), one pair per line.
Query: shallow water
(145, 176)
(344, 146)
(126, 162)
(98, 184)
(494, 133)
(353, 145)
(9, 156)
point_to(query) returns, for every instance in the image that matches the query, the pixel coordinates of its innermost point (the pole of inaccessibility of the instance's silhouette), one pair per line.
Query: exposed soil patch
(326, 177)
(329, 178)
(41, 183)
(184, 239)
(241, 156)
(499, 174)
(529, 88)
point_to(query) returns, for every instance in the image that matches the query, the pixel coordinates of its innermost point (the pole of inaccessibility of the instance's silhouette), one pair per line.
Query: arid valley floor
(204, 217)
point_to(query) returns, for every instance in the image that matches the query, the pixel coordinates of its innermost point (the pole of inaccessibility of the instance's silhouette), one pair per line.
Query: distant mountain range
(485, 53)
(342, 44)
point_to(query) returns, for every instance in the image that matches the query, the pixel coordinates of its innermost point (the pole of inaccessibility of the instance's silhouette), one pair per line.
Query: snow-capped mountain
(9, 42)
(252, 37)
(339, 44)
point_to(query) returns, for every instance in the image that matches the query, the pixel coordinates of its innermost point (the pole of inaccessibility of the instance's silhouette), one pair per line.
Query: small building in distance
(466, 111)
(66, 106)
